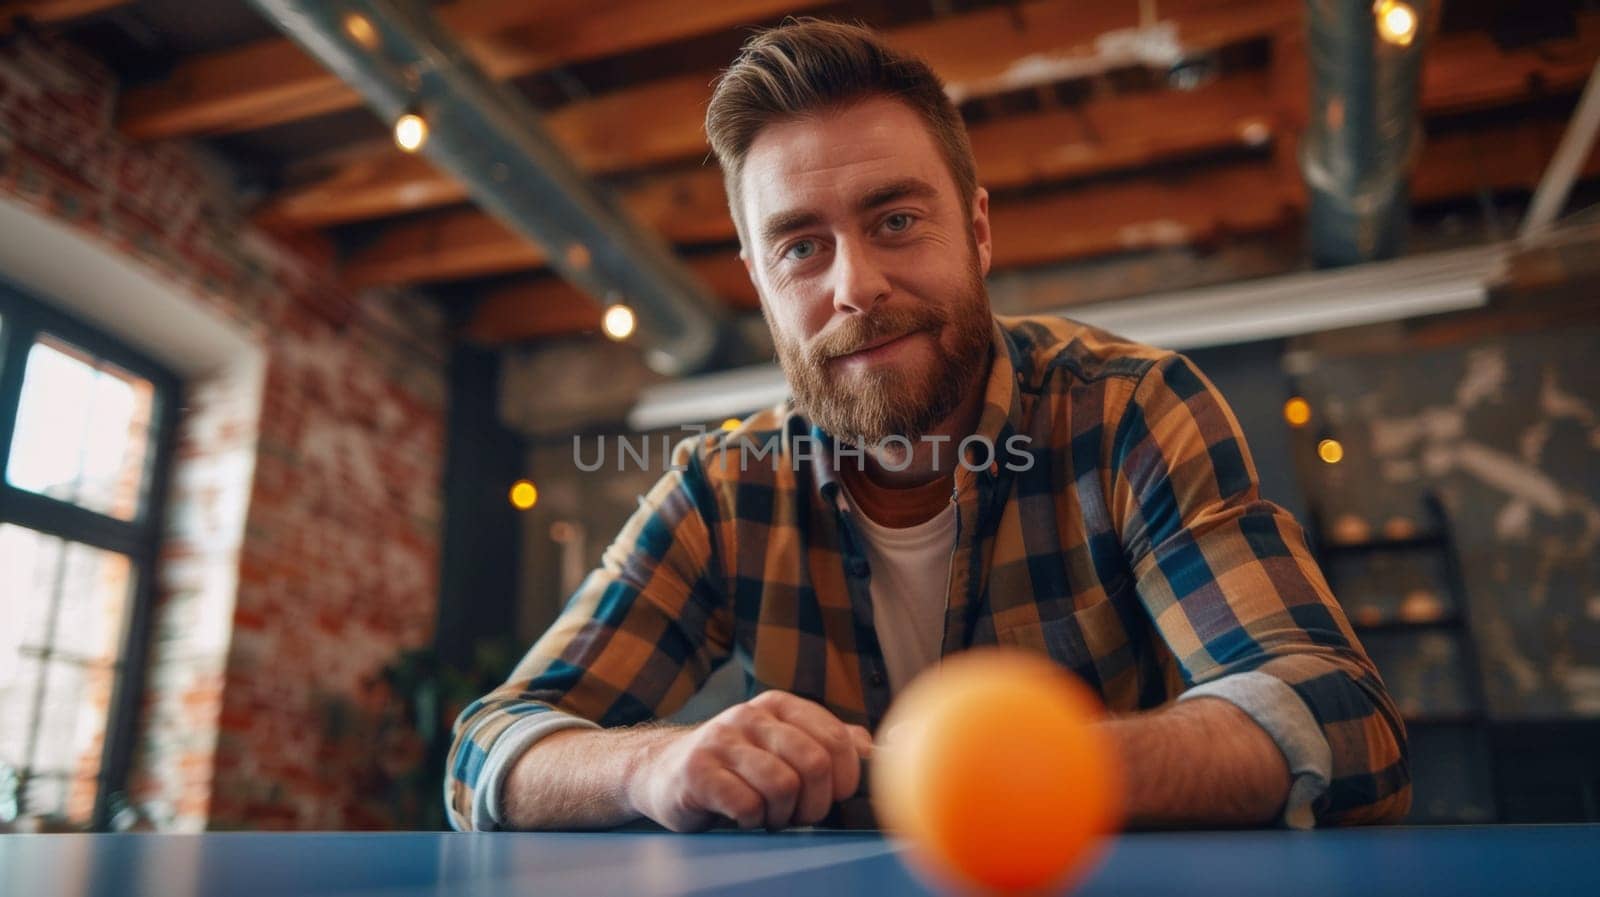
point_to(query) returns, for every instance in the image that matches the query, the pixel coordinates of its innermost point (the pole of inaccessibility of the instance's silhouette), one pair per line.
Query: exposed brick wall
(209, 499)
(339, 569)
(302, 540)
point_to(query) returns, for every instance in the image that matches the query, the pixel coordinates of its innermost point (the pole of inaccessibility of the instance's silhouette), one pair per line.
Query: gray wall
(1250, 376)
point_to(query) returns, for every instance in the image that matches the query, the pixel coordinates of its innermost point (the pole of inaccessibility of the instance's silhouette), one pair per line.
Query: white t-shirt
(910, 580)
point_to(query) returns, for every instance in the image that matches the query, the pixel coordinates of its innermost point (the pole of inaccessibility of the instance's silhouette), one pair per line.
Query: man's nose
(859, 281)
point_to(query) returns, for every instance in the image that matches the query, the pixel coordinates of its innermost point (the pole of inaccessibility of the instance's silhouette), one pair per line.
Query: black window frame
(23, 318)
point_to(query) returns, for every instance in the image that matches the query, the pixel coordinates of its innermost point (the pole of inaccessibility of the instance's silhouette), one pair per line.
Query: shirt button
(876, 678)
(857, 567)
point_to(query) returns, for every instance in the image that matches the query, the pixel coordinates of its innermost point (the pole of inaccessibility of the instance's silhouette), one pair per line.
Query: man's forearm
(1200, 762)
(578, 778)
(775, 760)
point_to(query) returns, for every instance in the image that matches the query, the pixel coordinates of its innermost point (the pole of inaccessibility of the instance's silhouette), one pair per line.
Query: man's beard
(884, 400)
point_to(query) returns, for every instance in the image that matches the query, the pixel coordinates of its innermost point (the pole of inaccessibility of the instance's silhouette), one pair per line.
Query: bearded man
(941, 478)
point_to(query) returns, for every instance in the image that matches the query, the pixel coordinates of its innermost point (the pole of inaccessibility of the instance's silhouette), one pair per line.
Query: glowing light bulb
(731, 424)
(361, 30)
(1297, 412)
(1397, 22)
(618, 322)
(524, 495)
(1330, 451)
(410, 132)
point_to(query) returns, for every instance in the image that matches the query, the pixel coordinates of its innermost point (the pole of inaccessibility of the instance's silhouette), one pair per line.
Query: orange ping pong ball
(992, 769)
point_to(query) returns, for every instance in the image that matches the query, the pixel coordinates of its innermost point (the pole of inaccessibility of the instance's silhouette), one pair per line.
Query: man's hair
(808, 66)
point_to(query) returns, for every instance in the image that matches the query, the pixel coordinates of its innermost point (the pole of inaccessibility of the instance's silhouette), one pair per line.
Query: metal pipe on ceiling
(1363, 133)
(400, 59)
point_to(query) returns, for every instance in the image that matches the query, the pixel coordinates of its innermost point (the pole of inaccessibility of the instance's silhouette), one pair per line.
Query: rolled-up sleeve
(636, 640)
(1231, 587)
(1288, 722)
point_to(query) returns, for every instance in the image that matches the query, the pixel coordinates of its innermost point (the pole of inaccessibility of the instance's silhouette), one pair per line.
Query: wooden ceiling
(1087, 151)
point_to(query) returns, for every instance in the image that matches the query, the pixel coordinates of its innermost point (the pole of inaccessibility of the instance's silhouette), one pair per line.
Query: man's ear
(980, 229)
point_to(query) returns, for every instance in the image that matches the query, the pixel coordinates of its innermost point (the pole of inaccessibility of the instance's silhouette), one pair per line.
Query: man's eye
(899, 222)
(802, 250)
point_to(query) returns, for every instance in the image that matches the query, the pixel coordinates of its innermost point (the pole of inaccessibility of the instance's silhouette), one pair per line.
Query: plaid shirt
(1134, 550)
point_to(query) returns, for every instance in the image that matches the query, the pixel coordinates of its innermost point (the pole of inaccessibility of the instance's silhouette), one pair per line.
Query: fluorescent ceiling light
(710, 397)
(1270, 308)
(1308, 302)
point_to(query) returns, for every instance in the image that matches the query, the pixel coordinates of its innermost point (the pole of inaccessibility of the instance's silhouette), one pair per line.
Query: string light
(524, 495)
(1330, 451)
(618, 322)
(361, 30)
(1397, 22)
(410, 131)
(1297, 411)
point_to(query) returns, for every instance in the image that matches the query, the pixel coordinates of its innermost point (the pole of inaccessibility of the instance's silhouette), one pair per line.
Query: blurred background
(303, 305)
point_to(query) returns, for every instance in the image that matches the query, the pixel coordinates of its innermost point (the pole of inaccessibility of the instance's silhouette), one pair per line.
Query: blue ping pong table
(1413, 862)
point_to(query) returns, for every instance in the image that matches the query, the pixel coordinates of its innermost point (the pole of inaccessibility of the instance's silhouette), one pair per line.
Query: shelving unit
(1451, 746)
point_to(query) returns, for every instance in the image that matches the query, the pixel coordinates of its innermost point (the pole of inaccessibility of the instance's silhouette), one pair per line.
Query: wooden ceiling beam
(1092, 138)
(976, 54)
(1100, 136)
(626, 129)
(1138, 214)
(1470, 71)
(689, 207)
(52, 12)
(371, 186)
(1100, 219)
(1075, 223)
(455, 245)
(542, 307)
(546, 306)
(272, 81)
(1458, 164)
(1122, 133)
(464, 243)
(661, 123)
(1029, 45)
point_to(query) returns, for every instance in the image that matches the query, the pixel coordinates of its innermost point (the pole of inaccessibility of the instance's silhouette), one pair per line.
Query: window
(85, 431)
